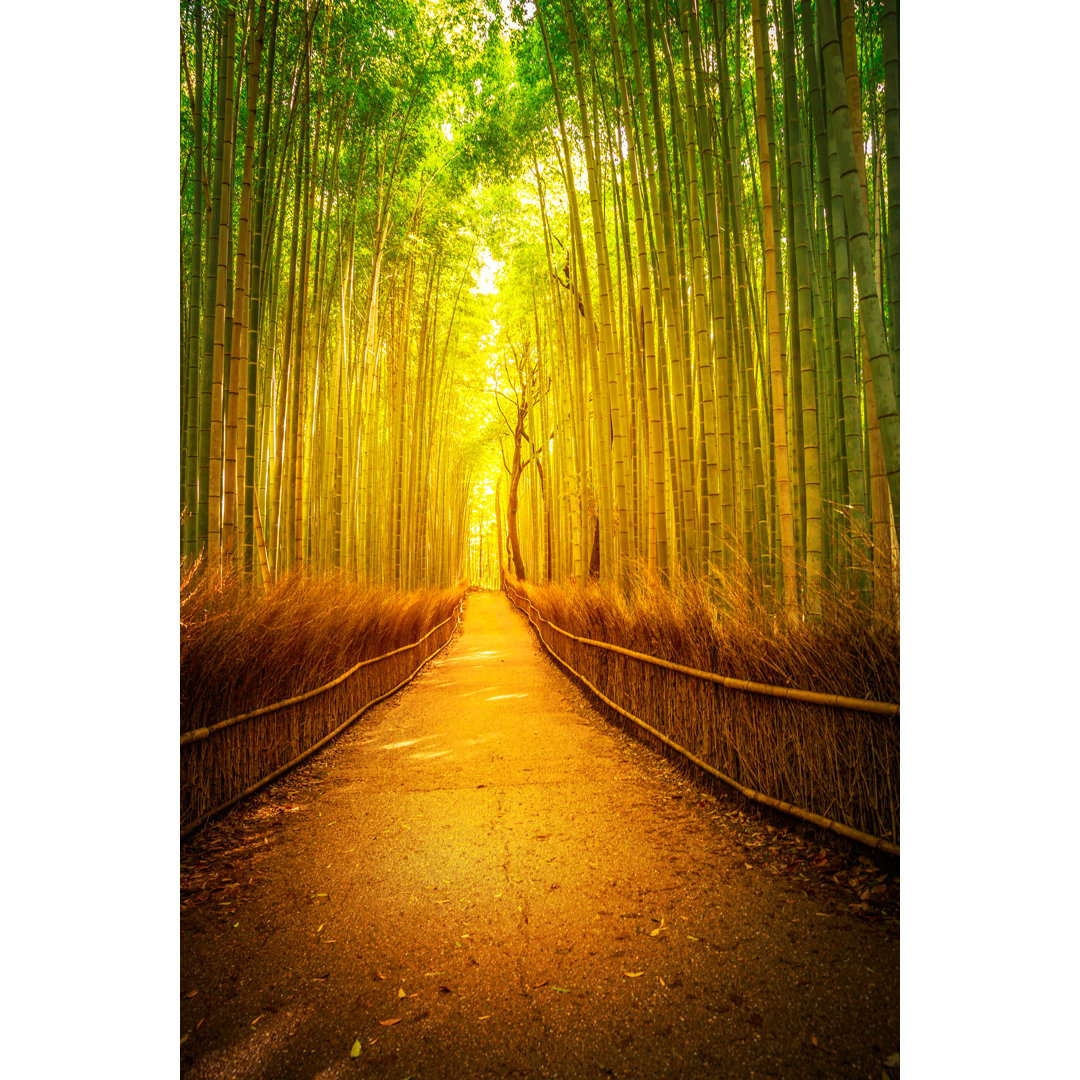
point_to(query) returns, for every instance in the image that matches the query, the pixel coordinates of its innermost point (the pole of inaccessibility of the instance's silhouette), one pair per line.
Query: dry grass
(838, 763)
(242, 649)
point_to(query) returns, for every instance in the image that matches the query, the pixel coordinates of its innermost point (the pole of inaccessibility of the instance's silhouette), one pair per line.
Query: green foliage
(424, 119)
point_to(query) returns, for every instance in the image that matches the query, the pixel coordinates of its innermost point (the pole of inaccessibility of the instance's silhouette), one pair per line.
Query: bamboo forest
(540, 365)
(626, 278)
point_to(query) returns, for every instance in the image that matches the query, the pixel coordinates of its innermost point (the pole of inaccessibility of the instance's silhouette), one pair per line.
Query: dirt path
(484, 879)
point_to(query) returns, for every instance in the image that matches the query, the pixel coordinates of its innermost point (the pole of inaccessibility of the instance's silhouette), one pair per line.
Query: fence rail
(817, 757)
(224, 762)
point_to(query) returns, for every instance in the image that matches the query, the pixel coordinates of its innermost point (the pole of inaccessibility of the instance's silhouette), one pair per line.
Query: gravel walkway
(484, 879)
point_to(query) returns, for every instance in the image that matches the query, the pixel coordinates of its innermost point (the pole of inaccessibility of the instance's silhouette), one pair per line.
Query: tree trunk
(870, 311)
(216, 401)
(191, 455)
(780, 442)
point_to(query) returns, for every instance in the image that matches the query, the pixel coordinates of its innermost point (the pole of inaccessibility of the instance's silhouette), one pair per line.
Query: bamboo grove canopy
(565, 287)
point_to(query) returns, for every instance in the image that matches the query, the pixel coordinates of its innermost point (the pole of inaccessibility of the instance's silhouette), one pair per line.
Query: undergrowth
(728, 629)
(838, 763)
(243, 647)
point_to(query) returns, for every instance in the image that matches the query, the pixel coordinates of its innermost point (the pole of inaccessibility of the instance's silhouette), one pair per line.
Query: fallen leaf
(355, 1051)
(536, 986)
(379, 975)
(184, 1038)
(633, 974)
(391, 1022)
(690, 937)
(200, 1023)
(429, 973)
(488, 1017)
(892, 1061)
(813, 1039)
(560, 990)
(321, 925)
(191, 993)
(401, 992)
(257, 1019)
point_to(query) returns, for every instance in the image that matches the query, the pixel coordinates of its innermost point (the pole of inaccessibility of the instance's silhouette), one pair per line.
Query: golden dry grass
(838, 763)
(243, 648)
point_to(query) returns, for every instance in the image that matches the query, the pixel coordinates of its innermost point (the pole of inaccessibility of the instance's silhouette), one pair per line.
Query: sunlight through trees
(559, 288)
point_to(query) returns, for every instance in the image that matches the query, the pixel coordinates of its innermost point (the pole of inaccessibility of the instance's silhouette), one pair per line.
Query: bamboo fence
(829, 760)
(229, 760)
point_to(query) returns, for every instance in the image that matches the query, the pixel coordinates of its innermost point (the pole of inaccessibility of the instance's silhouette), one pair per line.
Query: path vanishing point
(484, 878)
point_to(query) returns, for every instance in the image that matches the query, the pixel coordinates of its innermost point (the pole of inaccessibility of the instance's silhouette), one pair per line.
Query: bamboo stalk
(268, 576)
